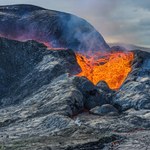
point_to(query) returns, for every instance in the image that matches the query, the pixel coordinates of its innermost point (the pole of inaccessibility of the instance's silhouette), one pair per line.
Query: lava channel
(113, 67)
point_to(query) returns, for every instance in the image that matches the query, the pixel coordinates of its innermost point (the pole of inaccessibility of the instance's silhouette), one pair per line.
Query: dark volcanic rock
(94, 145)
(29, 66)
(92, 95)
(39, 86)
(42, 103)
(118, 48)
(56, 29)
(103, 86)
(105, 91)
(135, 92)
(106, 109)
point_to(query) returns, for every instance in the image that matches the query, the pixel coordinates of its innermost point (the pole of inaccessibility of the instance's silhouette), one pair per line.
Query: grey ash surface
(43, 105)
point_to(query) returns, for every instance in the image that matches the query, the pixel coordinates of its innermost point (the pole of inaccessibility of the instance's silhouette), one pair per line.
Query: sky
(123, 21)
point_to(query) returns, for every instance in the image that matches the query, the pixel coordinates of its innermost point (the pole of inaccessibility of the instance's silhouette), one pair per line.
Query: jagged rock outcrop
(44, 105)
(135, 92)
(39, 91)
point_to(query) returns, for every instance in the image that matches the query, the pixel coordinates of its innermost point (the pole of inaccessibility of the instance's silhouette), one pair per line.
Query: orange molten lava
(112, 67)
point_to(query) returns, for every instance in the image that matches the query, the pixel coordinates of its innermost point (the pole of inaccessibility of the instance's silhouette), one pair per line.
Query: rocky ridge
(43, 105)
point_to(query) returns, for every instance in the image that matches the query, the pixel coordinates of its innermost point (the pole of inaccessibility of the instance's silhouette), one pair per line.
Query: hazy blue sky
(125, 21)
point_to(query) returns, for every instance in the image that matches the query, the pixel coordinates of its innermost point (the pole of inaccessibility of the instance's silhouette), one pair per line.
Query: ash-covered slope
(56, 29)
(43, 105)
(27, 66)
(39, 95)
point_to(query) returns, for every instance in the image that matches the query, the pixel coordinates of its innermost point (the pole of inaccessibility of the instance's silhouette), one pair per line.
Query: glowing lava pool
(113, 67)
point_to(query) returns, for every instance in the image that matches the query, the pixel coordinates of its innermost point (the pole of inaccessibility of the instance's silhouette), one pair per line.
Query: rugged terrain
(43, 105)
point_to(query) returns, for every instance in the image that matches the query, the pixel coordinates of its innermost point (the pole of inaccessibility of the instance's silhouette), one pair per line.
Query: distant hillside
(130, 46)
(53, 28)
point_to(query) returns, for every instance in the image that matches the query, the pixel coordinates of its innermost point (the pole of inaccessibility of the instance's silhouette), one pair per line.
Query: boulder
(105, 91)
(92, 95)
(106, 109)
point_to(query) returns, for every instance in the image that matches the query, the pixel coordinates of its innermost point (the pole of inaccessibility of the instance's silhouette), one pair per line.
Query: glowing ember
(111, 67)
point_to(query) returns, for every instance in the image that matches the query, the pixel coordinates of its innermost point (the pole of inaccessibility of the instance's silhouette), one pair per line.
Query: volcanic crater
(63, 87)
